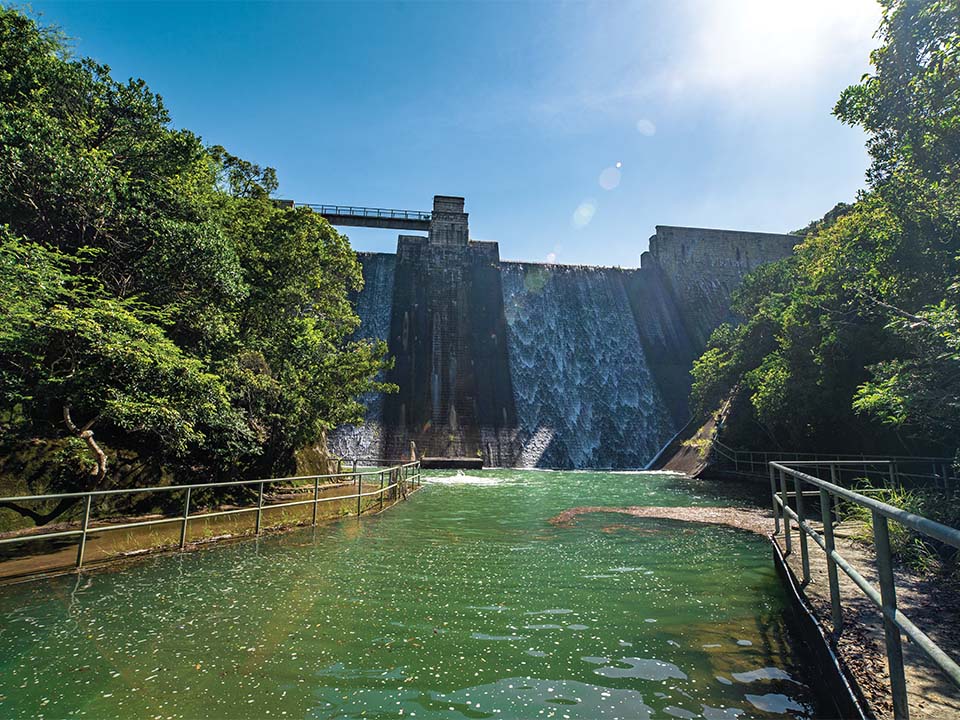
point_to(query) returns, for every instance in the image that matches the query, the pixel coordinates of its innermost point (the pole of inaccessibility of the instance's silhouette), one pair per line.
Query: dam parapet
(541, 365)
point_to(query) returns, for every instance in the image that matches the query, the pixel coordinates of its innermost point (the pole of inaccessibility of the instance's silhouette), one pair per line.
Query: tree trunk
(97, 473)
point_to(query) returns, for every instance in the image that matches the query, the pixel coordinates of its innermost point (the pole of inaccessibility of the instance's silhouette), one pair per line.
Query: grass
(920, 553)
(700, 444)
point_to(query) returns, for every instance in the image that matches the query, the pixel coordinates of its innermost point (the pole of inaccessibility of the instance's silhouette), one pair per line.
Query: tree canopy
(854, 343)
(152, 295)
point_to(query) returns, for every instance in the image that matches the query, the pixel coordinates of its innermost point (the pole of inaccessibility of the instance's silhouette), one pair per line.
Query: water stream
(464, 602)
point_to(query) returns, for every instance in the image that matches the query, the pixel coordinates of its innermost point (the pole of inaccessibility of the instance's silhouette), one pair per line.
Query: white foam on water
(459, 479)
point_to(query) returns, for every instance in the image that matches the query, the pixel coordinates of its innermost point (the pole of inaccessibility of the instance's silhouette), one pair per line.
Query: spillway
(533, 365)
(584, 394)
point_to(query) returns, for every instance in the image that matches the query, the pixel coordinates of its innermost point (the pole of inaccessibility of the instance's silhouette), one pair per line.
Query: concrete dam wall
(534, 365)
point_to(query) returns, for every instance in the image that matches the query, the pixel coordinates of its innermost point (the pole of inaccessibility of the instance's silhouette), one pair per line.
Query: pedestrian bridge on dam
(349, 215)
(446, 224)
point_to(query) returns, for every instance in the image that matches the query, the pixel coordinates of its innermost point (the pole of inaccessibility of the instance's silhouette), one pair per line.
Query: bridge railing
(385, 213)
(885, 599)
(396, 478)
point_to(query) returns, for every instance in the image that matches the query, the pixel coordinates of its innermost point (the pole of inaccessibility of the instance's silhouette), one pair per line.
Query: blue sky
(718, 111)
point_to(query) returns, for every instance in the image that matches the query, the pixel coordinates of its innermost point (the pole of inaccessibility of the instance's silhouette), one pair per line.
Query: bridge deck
(349, 215)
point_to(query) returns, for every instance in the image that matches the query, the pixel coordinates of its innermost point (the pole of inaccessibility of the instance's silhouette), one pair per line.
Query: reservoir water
(464, 602)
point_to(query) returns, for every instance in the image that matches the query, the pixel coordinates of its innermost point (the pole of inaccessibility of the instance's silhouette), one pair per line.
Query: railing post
(890, 473)
(773, 497)
(359, 496)
(888, 594)
(801, 519)
(836, 498)
(381, 491)
(186, 518)
(83, 535)
(786, 515)
(316, 499)
(260, 508)
(835, 609)
(354, 466)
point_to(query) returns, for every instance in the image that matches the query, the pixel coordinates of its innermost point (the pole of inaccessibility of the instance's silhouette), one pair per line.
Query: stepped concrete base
(452, 463)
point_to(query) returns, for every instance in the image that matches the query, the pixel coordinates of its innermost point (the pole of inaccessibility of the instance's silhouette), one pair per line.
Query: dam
(530, 364)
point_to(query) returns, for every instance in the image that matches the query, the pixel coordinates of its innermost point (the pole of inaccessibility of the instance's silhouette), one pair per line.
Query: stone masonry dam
(537, 365)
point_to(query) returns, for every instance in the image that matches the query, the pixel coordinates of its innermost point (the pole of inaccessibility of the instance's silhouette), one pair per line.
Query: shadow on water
(741, 492)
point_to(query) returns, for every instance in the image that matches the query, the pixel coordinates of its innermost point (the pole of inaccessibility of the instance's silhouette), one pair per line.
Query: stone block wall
(704, 266)
(447, 336)
(448, 222)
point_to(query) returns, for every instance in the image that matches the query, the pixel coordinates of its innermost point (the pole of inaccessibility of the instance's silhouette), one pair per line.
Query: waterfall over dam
(541, 365)
(584, 394)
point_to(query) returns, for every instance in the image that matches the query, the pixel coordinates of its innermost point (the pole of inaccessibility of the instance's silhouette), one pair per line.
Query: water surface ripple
(462, 603)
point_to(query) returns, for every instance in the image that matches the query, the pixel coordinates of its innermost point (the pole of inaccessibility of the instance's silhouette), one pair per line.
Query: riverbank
(932, 604)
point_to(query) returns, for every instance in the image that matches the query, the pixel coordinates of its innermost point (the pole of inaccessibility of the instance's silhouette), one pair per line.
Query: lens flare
(609, 178)
(646, 127)
(584, 213)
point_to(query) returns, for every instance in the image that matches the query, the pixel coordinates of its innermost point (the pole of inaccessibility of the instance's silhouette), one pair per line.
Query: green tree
(855, 343)
(154, 298)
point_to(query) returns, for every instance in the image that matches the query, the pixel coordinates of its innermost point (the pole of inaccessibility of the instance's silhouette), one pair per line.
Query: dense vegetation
(853, 344)
(153, 299)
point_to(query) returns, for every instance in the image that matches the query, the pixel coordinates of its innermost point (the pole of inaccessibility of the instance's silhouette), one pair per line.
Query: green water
(464, 602)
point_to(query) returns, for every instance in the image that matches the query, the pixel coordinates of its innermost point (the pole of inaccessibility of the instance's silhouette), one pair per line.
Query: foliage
(923, 554)
(150, 289)
(852, 344)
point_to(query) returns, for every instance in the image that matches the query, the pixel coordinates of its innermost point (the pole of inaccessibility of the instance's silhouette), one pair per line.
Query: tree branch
(99, 470)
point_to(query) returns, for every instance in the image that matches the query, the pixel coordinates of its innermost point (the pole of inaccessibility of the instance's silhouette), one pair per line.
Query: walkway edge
(840, 684)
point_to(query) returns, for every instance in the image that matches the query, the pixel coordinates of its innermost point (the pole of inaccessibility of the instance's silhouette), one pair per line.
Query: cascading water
(374, 305)
(584, 395)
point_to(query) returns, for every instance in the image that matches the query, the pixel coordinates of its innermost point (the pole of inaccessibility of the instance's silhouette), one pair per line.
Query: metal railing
(386, 213)
(892, 470)
(397, 477)
(885, 599)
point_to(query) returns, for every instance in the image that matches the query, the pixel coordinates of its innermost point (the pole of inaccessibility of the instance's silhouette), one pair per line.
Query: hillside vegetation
(853, 344)
(155, 304)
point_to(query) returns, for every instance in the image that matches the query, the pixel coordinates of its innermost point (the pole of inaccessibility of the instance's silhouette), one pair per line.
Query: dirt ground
(750, 519)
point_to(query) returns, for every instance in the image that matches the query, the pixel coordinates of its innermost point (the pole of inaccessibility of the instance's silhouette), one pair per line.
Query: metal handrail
(389, 213)
(885, 598)
(751, 462)
(824, 458)
(399, 475)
